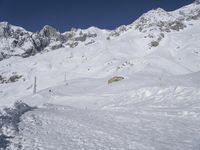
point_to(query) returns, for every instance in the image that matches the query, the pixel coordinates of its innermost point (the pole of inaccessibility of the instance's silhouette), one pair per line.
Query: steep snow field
(156, 106)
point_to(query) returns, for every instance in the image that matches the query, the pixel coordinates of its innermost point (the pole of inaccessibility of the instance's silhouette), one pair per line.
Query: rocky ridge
(16, 41)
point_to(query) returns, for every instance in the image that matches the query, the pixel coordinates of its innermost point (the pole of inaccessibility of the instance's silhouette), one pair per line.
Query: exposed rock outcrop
(16, 41)
(115, 79)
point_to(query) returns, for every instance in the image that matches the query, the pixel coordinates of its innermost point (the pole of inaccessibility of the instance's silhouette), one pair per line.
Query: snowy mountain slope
(156, 106)
(125, 56)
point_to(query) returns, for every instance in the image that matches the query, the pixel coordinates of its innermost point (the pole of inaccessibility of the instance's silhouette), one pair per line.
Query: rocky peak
(50, 32)
(16, 41)
(197, 1)
(4, 29)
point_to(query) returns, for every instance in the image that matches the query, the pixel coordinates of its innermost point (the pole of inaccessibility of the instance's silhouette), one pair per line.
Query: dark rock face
(11, 79)
(154, 43)
(14, 78)
(1, 56)
(4, 141)
(39, 41)
(4, 30)
(49, 31)
(197, 1)
(118, 31)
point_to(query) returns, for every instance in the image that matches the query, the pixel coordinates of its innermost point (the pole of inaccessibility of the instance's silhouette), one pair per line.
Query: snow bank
(9, 119)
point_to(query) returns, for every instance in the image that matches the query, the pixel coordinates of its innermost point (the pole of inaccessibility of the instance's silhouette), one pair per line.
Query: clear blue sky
(65, 14)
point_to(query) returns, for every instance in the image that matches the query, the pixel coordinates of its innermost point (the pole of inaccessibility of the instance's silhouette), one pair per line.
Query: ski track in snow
(134, 124)
(67, 128)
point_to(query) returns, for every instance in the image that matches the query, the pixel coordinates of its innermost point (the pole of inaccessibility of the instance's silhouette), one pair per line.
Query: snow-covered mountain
(154, 105)
(16, 41)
